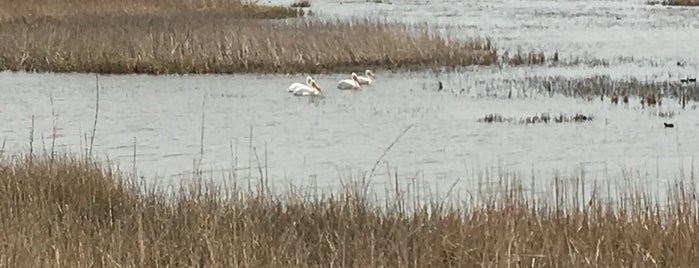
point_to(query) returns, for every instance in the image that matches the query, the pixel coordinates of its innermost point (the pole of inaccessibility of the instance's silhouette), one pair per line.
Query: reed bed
(210, 40)
(543, 118)
(617, 91)
(18, 9)
(69, 212)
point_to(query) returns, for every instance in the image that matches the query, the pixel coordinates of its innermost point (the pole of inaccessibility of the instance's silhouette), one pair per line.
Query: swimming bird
(669, 125)
(349, 83)
(304, 90)
(294, 86)
(366, 80)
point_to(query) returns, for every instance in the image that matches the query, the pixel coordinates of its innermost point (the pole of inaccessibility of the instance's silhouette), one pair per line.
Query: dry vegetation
(617, 91)
(214, 36)
(676, 2)
(23, 9)
(302, 3)
(542, 118)
(67, 212)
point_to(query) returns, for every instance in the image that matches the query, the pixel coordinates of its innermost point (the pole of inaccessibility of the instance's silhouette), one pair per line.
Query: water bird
(312, 89)
(294, 86)
(367, 79)
(692, 79)
(669, 125)
(349, 83)
(440, 86)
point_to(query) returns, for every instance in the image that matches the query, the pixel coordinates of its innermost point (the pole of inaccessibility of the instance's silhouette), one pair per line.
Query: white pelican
(366, 80)
(349, 83)
(304, 90)
(294, 86)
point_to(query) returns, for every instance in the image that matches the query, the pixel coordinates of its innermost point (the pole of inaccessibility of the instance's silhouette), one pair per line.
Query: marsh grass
(213, 42)
(72, 212)
(604, 87)
(301, 3)
(523, 58)
(16, 9)
(542, 118)
(675, 2)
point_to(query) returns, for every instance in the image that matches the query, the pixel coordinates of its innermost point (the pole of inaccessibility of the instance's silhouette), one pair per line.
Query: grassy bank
(156, 37)
(70, 212)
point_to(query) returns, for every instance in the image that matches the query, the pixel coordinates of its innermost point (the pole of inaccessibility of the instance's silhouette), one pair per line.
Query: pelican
(350, 83)
(304, 90)
(366, 80)
(294, 86)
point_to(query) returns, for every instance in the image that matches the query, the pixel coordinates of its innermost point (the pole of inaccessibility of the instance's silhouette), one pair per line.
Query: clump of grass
(69, 212)
(675, 2)
(543, 118)
(531, 58)
(302, 3)
(214, 42)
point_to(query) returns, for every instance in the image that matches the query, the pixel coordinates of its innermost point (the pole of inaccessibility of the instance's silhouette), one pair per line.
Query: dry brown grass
(216, 43)
(11, 9)
(212, 36)
(73, 213)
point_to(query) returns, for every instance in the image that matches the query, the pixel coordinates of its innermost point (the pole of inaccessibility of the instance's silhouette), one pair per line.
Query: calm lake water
(325, 142)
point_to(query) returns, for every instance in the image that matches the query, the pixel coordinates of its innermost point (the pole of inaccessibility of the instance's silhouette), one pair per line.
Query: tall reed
(75, 213)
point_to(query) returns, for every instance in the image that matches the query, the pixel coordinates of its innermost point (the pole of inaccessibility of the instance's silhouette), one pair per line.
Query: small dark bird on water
(669, 125)
(440, 86)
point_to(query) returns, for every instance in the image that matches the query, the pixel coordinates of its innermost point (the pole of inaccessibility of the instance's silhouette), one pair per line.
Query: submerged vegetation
(213, 36)
(676, 2)
(70, 212)
(543, 118)
(682, 90)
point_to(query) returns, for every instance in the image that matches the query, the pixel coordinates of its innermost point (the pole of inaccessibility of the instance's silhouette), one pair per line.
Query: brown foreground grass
(69, 212)
(213, 36)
